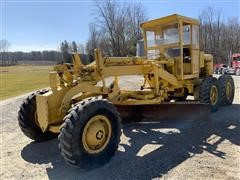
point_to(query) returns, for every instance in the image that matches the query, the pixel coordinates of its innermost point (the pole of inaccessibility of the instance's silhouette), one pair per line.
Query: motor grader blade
(165, 111)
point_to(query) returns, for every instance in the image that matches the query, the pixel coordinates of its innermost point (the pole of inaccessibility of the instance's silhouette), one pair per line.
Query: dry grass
(16, 80)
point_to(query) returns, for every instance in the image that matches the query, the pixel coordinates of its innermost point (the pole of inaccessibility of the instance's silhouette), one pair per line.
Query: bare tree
(4, 45)
(231, 37)
(74, 46)
(65, 49)
(93, 41)
(81, 48)
(218, 37)
(211, 22)
(116, 29)
(4, 56)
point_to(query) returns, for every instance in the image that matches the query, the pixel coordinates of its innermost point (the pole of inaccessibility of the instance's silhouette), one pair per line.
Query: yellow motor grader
(85, 110)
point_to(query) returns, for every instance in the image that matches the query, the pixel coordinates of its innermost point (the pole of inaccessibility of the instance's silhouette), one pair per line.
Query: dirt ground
(190, 149)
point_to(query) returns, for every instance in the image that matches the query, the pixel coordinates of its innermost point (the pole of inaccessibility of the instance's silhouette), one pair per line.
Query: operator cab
(173, 39)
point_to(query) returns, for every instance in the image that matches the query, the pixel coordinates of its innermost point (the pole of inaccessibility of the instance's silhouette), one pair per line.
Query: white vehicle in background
(234, 69)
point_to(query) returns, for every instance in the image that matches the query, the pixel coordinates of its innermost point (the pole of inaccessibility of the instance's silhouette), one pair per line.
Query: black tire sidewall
(205, 89)
(223, 80)
(216, 106)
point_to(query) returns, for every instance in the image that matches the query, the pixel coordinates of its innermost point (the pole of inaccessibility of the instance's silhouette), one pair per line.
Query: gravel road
(207, 149)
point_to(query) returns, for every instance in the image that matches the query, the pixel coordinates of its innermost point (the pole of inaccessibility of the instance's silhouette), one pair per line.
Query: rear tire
(209, 92)
(83, 141)
(27, 119)
(228, 89)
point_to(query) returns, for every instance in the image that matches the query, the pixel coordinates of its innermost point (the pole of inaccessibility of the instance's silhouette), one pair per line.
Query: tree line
(116, 29)
(11, 58)
(219, 37)
(62, 55)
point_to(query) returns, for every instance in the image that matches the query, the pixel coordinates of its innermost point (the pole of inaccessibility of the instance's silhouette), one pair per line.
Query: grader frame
(86, 111)
(162, 74)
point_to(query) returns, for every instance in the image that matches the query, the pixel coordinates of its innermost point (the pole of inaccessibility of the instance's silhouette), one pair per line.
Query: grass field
(17, 80)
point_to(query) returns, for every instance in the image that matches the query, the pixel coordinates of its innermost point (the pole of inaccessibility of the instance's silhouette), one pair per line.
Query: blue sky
(41, 24)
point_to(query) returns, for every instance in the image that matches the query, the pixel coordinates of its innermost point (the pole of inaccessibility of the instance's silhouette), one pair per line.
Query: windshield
(170, 36)
(167, 36)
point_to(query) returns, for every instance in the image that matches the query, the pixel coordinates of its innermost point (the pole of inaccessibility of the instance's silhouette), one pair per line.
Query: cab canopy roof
(168, 20)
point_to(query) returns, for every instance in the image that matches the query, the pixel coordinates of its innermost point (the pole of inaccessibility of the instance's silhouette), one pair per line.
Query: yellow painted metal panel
(42, 112)
(195, 61)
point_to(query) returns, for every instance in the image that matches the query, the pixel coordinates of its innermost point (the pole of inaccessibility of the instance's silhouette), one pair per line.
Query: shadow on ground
(176, 141)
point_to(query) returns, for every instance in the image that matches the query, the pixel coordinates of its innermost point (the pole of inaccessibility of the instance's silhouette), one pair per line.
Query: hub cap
(96, 134)
(213, 95)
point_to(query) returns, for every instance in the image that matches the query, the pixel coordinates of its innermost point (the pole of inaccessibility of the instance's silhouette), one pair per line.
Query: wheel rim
(214, 95)
(96, 134)
(228, 90)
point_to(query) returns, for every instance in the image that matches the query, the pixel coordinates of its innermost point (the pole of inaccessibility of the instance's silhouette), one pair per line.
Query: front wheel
(90, 133)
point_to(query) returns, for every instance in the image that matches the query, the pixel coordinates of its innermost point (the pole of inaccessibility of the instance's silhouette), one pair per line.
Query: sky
(43, 24)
